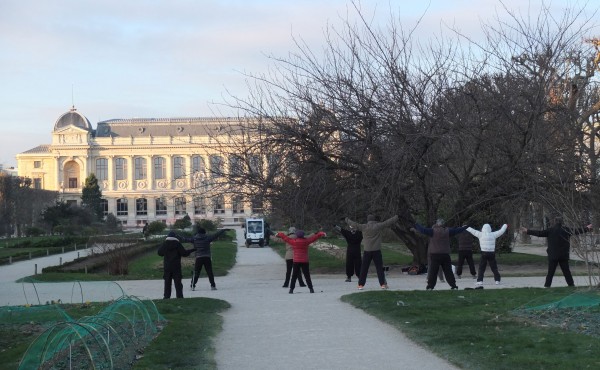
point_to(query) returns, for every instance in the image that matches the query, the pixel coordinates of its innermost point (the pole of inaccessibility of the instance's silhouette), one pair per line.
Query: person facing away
(439, 251)
(487, 244)
(559, 245)
(202, 241)
(354, 239)
(172, 250)
(300, 245)
(289, 260)
(465, 253)
(372, 247)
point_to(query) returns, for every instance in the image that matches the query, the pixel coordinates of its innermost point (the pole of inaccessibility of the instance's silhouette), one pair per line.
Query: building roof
(72, 117)
(194, 126)
(40, 149)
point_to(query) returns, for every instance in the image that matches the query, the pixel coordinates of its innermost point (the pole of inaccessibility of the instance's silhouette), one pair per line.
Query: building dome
(72, 117)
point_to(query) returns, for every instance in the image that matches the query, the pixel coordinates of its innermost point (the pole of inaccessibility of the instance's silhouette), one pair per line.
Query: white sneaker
(479, 283)
(497, 282)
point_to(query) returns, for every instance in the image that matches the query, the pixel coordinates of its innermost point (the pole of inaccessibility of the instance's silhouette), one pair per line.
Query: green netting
(578, 312)
(110, 339)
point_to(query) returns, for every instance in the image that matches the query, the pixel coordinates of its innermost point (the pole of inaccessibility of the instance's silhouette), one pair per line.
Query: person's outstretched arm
(424, 230)
(498, 233)
(475, 233)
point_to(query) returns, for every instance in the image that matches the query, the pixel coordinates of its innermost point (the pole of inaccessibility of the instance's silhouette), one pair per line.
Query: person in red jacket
(300, 245)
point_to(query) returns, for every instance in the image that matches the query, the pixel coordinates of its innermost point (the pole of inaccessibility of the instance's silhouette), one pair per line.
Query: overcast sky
(171, 58)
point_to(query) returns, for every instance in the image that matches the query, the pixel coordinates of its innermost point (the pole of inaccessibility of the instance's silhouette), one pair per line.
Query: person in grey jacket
(371, 232)
(487, 244)
(201, 243)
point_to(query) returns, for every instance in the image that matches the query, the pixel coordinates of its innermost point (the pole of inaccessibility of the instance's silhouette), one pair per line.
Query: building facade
(147, 169)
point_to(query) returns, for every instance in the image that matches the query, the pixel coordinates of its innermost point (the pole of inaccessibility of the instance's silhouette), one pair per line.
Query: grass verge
(149, 266)
(476, 329)
(186, 341)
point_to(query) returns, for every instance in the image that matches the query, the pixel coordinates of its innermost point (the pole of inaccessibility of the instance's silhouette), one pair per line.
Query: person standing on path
(300, 245)
(559, 245)
(439, 251)
(353, 253)
(487, 244)
(289, 260)
(201, 243)
(372, 247)
(172, 250)
(465, 252)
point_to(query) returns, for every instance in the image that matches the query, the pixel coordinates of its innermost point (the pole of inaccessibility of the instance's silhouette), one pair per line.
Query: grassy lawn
(149, 266)
(176, 346)
(476, 329)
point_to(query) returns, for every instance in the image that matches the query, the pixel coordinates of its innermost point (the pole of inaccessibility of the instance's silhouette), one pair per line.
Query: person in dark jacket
(439, 251)
(465, 253)
(172, 250)
(559, 245)
(353, 253)
(201, 243)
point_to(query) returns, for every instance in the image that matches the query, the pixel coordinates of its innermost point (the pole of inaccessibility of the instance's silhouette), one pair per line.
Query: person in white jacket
(487, 243)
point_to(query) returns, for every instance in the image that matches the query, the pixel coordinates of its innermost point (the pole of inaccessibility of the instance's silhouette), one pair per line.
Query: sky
(169, 58)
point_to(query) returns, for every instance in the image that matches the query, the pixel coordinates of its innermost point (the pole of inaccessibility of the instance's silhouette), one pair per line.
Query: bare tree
(380, 123)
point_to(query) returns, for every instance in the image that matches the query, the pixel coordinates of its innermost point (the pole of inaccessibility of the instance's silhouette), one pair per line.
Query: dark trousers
(296, 273)
(485, 258)
(377, 259)
(353, 262)
(207, 263)
(288, 272)
(438, 260)
(171, 277)
(468, 256)
(564, 266)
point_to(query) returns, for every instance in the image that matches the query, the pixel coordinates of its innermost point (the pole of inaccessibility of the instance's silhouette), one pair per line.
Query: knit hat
(292, 230)
(171, 234)
(201, 230)
(300, 233)
(371, 218)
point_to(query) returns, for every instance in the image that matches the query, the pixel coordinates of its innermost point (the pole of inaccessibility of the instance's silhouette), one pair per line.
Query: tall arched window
(121, 169)
(161, 206)
(216, 166)
(199, 205)
(141, 171)
(122, 209)
(178, 167)
(102, 169)
(219, 204)
(141, 206)
(159, 168)
(180, 206)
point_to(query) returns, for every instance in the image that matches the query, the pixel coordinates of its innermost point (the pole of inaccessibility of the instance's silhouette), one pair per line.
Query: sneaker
(454, 288)
(458, 276)
(348, 280)
(193, 287)
(285, 285)
(360, 287)
(312, 290)
(474, 276)
(213, 288)
(384, 287)
(479, 283)
(497, 282)
(291, 291)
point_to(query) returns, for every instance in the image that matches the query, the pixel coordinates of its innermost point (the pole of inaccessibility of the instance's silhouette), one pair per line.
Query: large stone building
(148, 169)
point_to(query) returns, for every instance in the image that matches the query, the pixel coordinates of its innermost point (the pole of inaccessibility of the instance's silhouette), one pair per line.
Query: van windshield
(254, 227)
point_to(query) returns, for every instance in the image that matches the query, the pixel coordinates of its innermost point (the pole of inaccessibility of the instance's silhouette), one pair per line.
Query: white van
(255, 232)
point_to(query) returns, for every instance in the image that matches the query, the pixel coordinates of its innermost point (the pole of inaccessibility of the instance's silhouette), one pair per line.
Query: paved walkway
(267, 328)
